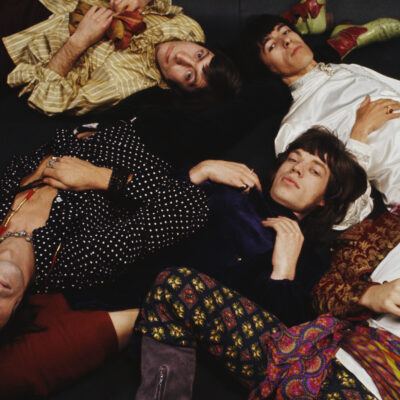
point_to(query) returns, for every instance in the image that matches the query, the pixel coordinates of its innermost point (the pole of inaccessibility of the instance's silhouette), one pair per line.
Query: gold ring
(389, 109)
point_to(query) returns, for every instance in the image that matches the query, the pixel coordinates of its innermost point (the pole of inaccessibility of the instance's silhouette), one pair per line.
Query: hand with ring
(371, 115)
(71, 173)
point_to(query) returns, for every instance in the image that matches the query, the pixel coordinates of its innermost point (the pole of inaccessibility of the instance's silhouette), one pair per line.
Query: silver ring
(52, 161)
(244, 187)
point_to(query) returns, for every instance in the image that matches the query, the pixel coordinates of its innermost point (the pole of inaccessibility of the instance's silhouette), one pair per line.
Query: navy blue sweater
(237, 250)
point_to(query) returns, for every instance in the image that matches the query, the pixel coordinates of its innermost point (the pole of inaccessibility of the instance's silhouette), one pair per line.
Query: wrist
(280, 275)
(76, 45)
(103, 178)
(359, 134)
(199, 173)
(366, 299)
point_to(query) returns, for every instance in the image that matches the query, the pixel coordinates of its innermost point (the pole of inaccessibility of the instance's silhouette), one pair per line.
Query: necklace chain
(13, 211)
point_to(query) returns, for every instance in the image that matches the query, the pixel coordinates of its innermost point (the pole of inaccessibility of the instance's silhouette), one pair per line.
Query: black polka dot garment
(99, 237)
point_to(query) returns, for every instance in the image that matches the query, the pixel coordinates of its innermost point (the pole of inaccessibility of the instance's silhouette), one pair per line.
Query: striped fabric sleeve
(66, 6)
(102, 76)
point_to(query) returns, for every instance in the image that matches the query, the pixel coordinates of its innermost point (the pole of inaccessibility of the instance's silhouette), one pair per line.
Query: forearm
(65, 59)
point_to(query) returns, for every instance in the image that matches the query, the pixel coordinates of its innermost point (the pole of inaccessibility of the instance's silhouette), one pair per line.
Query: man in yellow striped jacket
(81, 72)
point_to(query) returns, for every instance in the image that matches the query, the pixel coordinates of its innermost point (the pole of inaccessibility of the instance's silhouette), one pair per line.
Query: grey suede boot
(167, 371)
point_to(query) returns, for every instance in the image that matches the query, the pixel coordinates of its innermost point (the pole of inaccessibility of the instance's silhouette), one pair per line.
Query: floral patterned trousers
(187, 308)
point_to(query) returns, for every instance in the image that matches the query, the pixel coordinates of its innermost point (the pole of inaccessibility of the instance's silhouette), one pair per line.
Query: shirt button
(239, 258)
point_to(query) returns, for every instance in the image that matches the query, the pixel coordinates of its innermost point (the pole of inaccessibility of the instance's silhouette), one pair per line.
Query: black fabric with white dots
(100, 236)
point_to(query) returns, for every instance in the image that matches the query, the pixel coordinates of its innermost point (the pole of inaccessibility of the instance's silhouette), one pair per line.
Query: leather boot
(345, 38)
(309, 17)
(167, 371)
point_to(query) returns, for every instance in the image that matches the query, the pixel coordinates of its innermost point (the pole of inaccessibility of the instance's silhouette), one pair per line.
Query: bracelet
(118, 179)
(21, 234)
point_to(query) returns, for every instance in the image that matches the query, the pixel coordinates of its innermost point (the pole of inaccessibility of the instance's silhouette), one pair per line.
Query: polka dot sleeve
(101, 236)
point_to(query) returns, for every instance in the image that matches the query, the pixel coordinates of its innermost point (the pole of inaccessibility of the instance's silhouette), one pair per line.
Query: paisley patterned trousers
(187, 308)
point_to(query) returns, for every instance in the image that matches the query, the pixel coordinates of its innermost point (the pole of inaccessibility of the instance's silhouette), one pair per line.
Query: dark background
(22, 130)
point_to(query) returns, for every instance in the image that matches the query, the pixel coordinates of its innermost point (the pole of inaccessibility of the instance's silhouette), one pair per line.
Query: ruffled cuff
(362, 152)
(52, 86)
(351, 306)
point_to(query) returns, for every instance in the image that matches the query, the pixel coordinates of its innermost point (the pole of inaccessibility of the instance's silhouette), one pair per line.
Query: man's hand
(89, 31)
(384, 298)
(92, 27)
(70, 173)
(288, 243)
(226, 172)
(120, 6)
(371, 115)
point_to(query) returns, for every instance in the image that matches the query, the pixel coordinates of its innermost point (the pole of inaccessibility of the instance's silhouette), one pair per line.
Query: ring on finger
(52, 161)
(388, 109)
(244, 187)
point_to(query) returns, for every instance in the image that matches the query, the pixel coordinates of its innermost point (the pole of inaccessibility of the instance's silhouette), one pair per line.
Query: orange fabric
(121, 30)
(74, 343)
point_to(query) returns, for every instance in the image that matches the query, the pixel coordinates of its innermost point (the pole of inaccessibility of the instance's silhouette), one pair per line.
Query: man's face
(300, 182)
(285, 54)
(11, 290)
(183, 63)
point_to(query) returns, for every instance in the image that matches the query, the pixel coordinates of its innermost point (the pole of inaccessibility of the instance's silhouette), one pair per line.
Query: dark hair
(223, 83)
(347, 179)
(21, 322)
(256, 28)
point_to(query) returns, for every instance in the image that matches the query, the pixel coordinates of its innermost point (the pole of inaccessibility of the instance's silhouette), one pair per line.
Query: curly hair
(347, 179)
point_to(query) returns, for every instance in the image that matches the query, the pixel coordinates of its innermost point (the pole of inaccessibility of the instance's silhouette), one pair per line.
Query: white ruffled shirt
(329, 96)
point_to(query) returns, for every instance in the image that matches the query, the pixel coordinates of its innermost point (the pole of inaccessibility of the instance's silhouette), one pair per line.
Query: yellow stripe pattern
(102, 76)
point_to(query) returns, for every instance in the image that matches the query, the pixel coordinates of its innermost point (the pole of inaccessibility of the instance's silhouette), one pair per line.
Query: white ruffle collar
(320, 71)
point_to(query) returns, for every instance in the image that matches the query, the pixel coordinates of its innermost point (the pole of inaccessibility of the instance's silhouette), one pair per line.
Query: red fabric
(302, 10)
(133, 25)
(348, 39)
(121, 30)
(75, 343)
